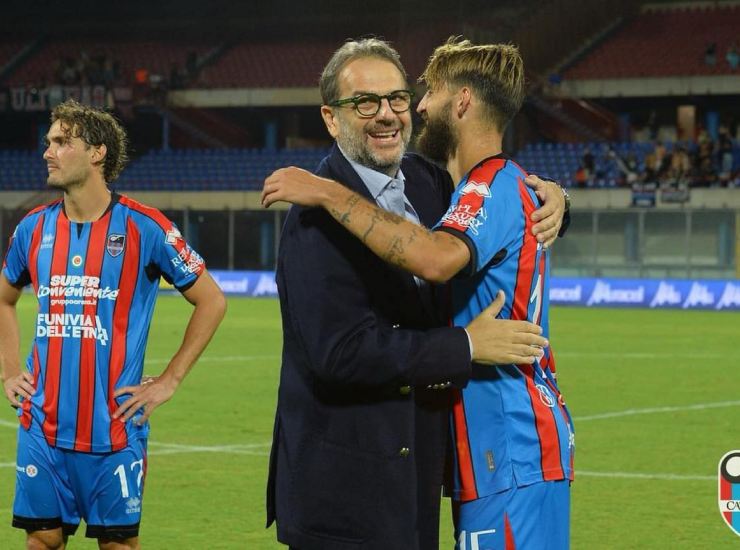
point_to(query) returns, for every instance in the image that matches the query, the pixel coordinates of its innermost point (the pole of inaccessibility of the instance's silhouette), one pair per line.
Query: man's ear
(330, 119)
(99, 153)
(462, 102)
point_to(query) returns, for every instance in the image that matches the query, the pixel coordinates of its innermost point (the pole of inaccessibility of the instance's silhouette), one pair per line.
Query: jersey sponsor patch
(75, 290)
(115, 244)
(173, 236)
(71, 325)
(188, 261)
(465, 216)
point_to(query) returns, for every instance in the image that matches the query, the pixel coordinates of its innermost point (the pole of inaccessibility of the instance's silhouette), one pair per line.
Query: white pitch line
(215, 359)
(639, 355)
(635, 475)
(655, 410)
(579, 473)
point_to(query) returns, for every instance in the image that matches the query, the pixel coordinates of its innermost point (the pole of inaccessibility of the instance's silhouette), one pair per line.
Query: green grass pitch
(654, 395)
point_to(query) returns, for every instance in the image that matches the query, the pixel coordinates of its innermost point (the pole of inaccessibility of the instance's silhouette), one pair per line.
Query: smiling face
(380, 141)
(69, 159)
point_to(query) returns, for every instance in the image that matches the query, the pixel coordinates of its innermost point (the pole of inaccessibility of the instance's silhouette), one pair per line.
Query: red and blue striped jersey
(510, 423)
(96, 285)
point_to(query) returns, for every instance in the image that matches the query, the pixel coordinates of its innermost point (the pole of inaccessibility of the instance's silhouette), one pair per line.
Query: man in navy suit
(361, 425)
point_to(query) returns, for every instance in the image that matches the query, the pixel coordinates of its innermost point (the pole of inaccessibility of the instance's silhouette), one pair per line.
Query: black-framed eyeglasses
(368, 105)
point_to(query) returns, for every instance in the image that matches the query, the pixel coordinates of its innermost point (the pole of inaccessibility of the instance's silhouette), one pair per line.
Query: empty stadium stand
(157, 56)
(664, 42)
(246, 169)
(177, 169)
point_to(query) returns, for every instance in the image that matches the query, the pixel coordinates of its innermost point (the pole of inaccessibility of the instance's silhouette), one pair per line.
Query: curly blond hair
(95, 128)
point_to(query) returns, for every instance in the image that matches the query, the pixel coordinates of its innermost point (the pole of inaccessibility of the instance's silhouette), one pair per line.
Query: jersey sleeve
(15, 263)
(486, 214)
(176, 260)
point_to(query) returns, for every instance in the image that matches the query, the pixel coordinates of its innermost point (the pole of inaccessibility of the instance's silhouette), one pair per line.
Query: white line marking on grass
(654, 410)
(6, 424)
(175, 448)
(639, 355)
(7, 464)
(215, 359)
(634, 475)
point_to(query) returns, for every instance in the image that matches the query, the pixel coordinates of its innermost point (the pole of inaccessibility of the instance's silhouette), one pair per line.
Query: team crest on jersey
(77, 260)
(115, 244)
(480, 189)
(729, 489)
(545, 396)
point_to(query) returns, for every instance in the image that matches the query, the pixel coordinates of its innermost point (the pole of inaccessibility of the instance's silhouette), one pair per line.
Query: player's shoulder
(498, 169)
(145, 214)
(32, 216)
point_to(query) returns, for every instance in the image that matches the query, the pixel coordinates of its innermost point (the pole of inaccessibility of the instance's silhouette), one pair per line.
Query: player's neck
(86, 202)
(472, 148)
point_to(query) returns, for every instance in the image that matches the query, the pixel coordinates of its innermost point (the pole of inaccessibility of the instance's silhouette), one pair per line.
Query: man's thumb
(497, 305)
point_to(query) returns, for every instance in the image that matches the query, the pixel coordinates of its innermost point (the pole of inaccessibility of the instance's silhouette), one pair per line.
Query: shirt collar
(375, 181)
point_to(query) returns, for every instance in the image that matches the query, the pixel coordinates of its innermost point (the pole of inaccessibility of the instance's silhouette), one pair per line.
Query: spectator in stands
(588, 161)
(109, 73)
(581, 177)
(732, 56)
(175, 78)
(191, 65)
(626, 169)
(724, 151)
(710, 55)
(68, 73)
(680, 167)
(652, 167)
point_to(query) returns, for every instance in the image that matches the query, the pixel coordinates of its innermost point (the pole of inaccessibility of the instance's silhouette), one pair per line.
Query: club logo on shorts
(31, 470)
(77, 260)
(729, 489)
(114, 244)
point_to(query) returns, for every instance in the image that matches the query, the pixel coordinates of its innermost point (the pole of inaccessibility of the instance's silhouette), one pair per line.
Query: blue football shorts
(57, 487)
(534, 517)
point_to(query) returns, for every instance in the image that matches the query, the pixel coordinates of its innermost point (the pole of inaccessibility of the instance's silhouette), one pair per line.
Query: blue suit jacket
(359, 442)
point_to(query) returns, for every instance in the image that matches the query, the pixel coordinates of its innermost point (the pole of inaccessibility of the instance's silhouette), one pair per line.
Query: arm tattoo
(396, 253)
(380, 216)
(343, 217)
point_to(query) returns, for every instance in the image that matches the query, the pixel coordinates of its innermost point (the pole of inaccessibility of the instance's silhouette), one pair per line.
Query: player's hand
(150, 394)
(294, 185)
(549, 217)
(20, 385)
(503, 342)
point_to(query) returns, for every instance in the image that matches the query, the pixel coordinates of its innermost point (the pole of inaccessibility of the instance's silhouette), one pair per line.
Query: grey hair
(349, 51)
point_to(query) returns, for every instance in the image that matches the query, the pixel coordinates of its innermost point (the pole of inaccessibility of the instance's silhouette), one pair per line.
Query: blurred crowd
(732, 56)
(701, 163)
(98, 69)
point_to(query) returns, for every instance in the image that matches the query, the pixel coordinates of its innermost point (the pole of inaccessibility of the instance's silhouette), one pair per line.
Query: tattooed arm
(431, 255)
